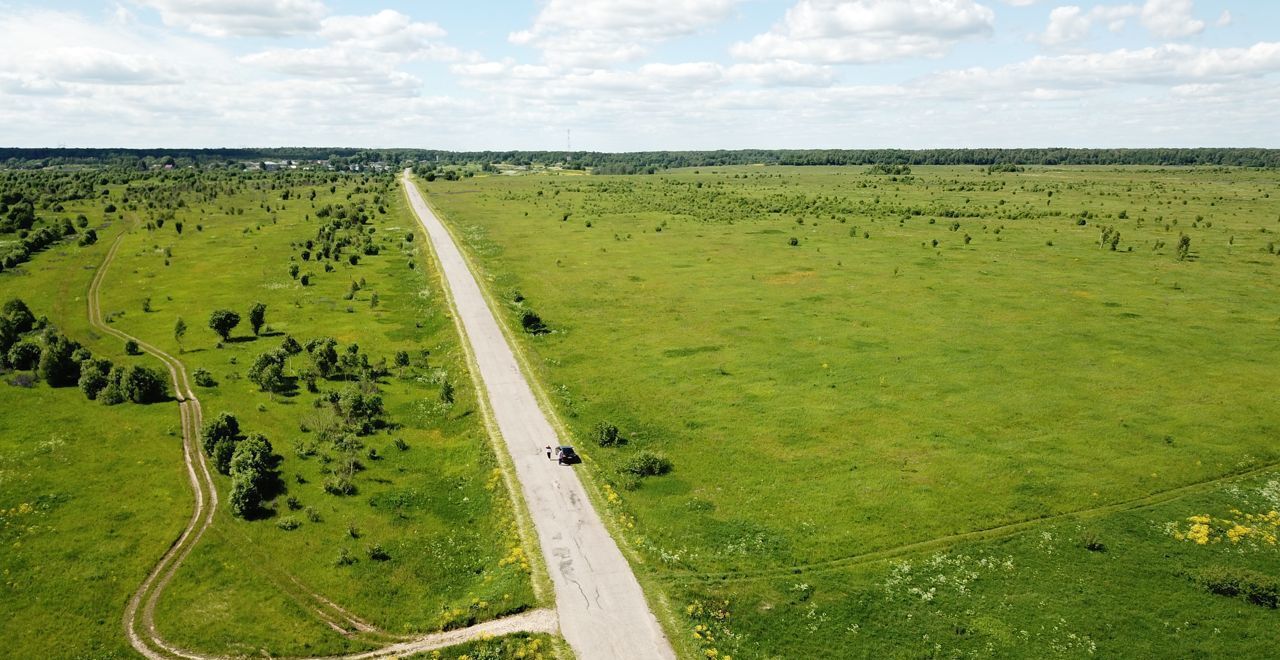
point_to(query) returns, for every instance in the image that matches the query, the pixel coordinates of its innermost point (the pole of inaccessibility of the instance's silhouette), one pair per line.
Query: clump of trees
(248, 460)
(1110, 237)
(30, 345)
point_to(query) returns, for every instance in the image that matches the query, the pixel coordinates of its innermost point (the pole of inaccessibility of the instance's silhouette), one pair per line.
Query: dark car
(567, 456)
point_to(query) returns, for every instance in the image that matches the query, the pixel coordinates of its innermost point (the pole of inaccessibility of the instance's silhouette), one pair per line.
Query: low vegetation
(904, 410)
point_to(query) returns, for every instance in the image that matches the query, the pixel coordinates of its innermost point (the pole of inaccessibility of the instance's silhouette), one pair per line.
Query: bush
(131, 348)
(376, 553)
(143, 385)
(345, 558)
(647, 464)
(288, 523)
(203, 378)
(24, 356)
(1254, 587)
(607, 435)
(532, 323)
(338, 485)
(93, 377)
(1092, 542)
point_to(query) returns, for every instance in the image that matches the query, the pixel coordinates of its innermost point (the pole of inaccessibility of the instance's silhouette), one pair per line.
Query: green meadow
(420, 533)
(946, 412)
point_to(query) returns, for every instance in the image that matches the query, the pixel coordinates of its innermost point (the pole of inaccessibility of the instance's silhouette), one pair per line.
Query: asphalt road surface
(603, 613)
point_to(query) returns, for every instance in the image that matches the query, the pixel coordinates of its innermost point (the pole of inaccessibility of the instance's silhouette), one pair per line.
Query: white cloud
(1171, 19)
(240, 18)
(1069, 24)
(1224, 19)
(1168, 65)
(864, 31)
(387, 31)
(783, 73)
(602, 32)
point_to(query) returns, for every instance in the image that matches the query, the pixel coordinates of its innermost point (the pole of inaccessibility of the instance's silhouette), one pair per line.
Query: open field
(829, 403)
(426, 538)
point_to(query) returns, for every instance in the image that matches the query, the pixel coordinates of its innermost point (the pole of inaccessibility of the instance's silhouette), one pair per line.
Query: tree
(1184, 247)
(113, 393)
(402, 361)
(257, 316)
(223, 427)
(293, 270)
(93, 377)
(446, 392)
(267, 371)
(250, 467)
(179, 331)
(324, 355)
(290, 345)
(18, 312)
(8, 337)
(58, 366)
(222, 321)
(131, 347)
(143, 385)
(24, 355)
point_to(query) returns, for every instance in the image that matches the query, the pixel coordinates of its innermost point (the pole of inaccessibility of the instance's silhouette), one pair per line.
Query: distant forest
(639, 161)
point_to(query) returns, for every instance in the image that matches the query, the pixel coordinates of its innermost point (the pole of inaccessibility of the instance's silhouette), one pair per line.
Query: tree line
(646, 161)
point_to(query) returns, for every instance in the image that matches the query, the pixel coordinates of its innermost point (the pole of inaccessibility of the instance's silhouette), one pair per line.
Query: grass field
(428, 492)
(840, 365)
(90, 495)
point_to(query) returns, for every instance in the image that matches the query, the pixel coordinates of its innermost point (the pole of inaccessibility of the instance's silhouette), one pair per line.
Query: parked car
(567, 456)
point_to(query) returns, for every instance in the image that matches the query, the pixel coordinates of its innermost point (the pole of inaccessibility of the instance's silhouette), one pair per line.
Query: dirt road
(603, 613)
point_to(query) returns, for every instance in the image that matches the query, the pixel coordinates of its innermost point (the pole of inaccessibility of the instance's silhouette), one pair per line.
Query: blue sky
(638, 74)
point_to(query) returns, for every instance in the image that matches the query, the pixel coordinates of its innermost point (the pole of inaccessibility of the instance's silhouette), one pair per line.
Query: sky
(626, 75)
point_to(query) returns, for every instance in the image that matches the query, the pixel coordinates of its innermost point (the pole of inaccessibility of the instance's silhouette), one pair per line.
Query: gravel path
(603, 612)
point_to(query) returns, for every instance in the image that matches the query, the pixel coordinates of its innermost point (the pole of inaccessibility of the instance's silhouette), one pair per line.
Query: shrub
(793, 241)
(607, 435)
(203, 378)
(345, 558)
(1092, 542)
(647, 464)
(339, 485)
(131, 347)
(376, 553)
(1252, 586)
(288, 523)
(532, 323)
(293, 503)
(401, 444)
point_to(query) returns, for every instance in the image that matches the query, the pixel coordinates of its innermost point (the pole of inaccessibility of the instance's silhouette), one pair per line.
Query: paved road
(603, 613)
